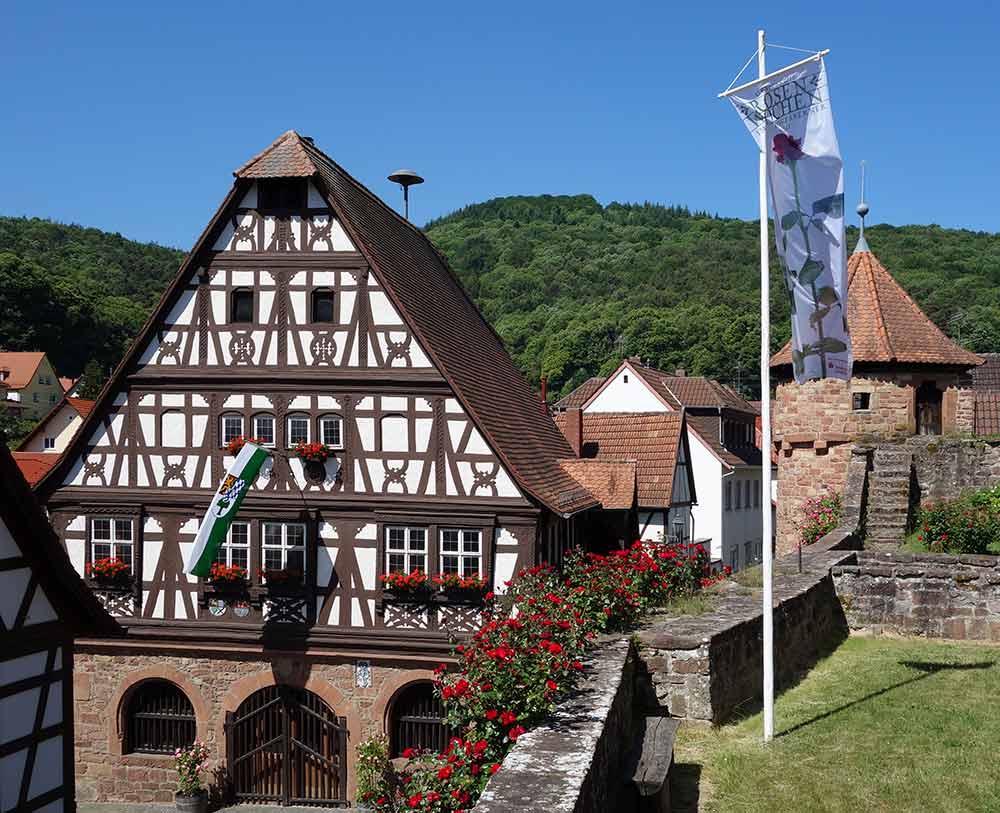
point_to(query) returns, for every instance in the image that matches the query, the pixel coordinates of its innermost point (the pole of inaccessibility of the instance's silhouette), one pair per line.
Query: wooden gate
(286, 745)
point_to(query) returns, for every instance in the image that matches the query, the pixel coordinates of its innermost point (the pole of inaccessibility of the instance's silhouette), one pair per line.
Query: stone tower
(909, 379)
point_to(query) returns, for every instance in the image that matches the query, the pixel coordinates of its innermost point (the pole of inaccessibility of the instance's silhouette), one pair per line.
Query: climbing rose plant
(190, 762)
(525, 657)
(820, 516)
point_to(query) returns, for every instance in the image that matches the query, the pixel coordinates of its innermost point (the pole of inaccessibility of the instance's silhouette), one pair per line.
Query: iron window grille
(417, 721)
(159, 719)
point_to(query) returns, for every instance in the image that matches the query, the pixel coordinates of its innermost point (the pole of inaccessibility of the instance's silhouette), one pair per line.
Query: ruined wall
(931, 595)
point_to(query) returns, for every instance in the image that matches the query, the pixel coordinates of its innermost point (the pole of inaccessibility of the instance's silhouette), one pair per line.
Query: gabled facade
(720, 433)
(43, 605)
(308, 311)
(30, 380)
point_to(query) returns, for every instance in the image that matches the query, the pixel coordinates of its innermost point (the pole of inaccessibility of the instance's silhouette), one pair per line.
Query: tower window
(282, 193)
(862, 400)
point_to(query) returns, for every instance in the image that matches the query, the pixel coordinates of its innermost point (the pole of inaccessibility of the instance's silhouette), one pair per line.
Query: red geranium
(412, 582)
(313, 452)
(108, 569)
(226, 574)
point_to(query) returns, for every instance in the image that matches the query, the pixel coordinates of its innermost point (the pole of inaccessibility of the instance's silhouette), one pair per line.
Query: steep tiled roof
(285, 158)
(886, 325)
(83, 406)
(986, 377)
(691, 390)
(707, 428)
(610, 481)
(35, 465)
(578, 397)
(651, 439)
(22, 366)
(67, 383)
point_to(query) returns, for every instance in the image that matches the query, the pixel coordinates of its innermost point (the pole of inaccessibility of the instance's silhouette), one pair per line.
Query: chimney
(634, 360)
(679, 372)
(573, 429)
(545, 395)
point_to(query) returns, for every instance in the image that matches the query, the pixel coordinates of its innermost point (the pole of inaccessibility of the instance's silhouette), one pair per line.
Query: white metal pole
(765, 422)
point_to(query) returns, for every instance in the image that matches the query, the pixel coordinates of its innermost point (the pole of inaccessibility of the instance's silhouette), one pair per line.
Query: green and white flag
(225, 504)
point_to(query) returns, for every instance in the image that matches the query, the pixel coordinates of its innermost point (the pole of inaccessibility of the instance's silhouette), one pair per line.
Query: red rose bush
(525, 657)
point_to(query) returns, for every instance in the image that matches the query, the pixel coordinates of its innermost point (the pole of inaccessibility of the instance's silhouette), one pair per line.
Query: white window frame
(116, 540)
(49, 443)
(407, 549)
(453, 544)
(222, 426)
(256, 432)
(224, 556)
(327, 419)
(298, 416)
(283, 546)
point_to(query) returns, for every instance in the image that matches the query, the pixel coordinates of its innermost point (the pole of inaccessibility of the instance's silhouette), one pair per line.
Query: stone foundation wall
(945, 467)
(214, 685)
(707, 668)
(929, 595)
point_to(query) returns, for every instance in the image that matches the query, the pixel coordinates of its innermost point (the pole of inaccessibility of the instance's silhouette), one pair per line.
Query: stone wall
(214, 684)
(947, 466)
(707, 668)
(577, 760)
(930, 595)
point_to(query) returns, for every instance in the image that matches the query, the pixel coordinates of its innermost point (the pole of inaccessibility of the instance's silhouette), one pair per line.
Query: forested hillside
(572, 286)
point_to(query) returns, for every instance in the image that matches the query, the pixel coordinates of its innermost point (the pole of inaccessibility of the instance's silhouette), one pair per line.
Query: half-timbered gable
(308, 312)
(43, 604)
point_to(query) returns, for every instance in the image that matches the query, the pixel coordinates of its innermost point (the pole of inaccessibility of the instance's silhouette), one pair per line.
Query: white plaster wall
(620, 395)
(61, 426)
(744, 525)
(707, 513)
(652, 524)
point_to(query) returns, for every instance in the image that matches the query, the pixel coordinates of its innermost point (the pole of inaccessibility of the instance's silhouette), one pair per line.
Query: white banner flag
(789, 115)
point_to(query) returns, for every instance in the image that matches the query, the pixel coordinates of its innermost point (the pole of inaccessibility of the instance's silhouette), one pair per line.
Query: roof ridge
(883, 328)
(274, 144)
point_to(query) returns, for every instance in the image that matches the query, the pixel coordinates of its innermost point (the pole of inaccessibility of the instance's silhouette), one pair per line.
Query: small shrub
(190, 763)
(374, 771)
(969, 524)
(820, 516)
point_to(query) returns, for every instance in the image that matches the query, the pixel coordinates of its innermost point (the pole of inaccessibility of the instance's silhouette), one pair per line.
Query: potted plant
(461, 588)
(221, 575)
(192, 795)
(109, 571)
(413, 586)
(281, 579)
(313, 452)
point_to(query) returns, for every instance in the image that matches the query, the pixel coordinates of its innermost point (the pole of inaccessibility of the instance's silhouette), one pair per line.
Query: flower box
(236, 444)
(228, 578)
(110, 572)
(313, 452)
(415, 586)
(461, 589)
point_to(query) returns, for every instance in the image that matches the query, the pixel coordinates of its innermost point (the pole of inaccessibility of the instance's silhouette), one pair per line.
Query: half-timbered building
(43, 604)
(308, 311)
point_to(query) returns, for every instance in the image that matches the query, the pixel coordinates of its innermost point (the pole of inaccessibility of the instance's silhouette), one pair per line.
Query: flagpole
(765, 421)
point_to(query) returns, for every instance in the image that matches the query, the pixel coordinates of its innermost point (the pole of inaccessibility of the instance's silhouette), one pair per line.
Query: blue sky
(131, 116)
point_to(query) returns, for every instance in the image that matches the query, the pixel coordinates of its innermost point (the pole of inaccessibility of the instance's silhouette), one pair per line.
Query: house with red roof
(53, 433)
(719, 450)
(29, 381)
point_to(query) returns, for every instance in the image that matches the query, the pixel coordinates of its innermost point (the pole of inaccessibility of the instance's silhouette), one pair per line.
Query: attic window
(241, 305)
(322, 305)
(862, 400)
(282, 193)
(625, 378)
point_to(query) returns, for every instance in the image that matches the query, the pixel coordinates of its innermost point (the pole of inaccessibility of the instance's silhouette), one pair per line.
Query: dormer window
(241, 306)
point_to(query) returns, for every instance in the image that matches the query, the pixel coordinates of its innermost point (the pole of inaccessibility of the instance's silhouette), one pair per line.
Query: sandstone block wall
(214, 685)
(930, 595)
(947, 466)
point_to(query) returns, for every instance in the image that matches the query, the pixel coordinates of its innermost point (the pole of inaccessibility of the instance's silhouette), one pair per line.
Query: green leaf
(830, 345)
(790, 219)
(827, 296)
(810, 272)
(832, 206)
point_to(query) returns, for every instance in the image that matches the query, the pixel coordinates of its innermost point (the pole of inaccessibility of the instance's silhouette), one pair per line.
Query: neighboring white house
(725, 459)
(54, 432)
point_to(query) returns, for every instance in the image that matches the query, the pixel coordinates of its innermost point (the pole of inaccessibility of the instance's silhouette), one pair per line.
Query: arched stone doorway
(287, 746)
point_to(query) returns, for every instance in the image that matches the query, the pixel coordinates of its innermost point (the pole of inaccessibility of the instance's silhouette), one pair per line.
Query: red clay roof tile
(610, 481)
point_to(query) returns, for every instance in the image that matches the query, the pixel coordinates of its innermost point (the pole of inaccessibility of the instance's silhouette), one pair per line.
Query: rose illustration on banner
(787, 148)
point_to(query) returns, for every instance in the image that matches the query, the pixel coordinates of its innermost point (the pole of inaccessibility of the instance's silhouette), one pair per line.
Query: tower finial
(862, 210)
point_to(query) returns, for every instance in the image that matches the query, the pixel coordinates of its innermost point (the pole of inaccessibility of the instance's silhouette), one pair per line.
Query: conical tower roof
(886, 325)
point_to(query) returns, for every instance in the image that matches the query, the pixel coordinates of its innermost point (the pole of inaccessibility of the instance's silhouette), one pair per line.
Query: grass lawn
(881, 724)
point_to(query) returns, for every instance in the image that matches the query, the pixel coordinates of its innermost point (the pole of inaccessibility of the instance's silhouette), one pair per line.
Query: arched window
(241, 305)
(322, 305)
(231, 426)
(331, 431)
(417, 720)
(395, 434)
(158, 719)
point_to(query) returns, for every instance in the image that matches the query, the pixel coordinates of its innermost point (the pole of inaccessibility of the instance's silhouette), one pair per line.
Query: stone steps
(889, 497)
